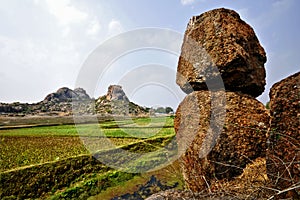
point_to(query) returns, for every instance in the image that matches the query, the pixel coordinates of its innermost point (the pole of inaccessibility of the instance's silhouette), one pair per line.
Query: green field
(40, 151)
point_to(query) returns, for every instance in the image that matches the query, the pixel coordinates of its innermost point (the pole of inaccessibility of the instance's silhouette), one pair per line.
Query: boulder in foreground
(283, 155)
(220, 42)
(208, 155)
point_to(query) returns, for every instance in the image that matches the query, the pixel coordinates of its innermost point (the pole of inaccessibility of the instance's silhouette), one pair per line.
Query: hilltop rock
(115, 92)
(67, 95)
(220, 39)
(67, 102)
(116, 102)
(81, 94)
(283, 155)
(242, 137)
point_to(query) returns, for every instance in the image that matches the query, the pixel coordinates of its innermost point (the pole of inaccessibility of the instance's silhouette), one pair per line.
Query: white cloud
(94, 28)
(64, 12)
(187, 2)
(66, 32)
(115, 27)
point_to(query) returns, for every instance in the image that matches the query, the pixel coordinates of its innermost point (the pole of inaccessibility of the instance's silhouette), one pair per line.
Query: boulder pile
(220, 126)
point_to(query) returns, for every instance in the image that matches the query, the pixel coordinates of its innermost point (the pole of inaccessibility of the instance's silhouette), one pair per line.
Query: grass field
(36, 148)
(27, 146)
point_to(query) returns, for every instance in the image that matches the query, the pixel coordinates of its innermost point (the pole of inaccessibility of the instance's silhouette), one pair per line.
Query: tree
(169, 110)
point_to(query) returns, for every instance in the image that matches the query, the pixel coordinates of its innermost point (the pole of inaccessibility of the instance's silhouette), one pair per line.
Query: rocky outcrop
(67, 102)
(67, 95)
(115, 92)
(115, 102)
(208, 155)
(81, 94)
(283, 155)
(220, 39)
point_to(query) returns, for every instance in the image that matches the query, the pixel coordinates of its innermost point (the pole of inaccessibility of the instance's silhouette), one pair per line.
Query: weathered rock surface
(220, 39)
(283, 155)
(242, 138)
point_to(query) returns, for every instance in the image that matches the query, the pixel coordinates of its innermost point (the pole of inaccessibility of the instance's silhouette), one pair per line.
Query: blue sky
(43, 43)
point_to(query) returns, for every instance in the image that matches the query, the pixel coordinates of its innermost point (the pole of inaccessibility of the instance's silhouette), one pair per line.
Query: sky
(44, 44)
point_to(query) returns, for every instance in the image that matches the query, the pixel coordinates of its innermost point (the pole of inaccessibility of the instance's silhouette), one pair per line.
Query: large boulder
(219, 42)
(283, 155)
(217, 145)
(115, 92)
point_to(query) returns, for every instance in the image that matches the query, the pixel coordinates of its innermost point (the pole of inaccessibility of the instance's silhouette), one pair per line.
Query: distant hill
(116, 102)
(65, 102)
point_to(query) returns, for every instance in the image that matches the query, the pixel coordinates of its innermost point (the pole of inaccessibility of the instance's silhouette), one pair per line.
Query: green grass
(62, 130)
(93, 186)
(80, 176)
(140, 128)
(27, 146)
(53, 148)
(168, 175)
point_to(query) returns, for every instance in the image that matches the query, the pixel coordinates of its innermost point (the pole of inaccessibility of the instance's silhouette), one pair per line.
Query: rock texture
(209, 157)
(115, 92)
(220, 39)
(283, 157)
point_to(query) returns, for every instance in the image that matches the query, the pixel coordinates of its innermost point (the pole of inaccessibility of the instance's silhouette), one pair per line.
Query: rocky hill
(116, 102)
(66, 101)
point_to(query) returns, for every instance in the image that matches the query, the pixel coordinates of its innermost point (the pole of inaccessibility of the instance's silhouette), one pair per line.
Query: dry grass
(252, 184)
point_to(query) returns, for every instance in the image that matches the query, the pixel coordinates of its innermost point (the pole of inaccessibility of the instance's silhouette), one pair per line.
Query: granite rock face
(283, 155)
(219, 42)
(208, 155)
(115, 92)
